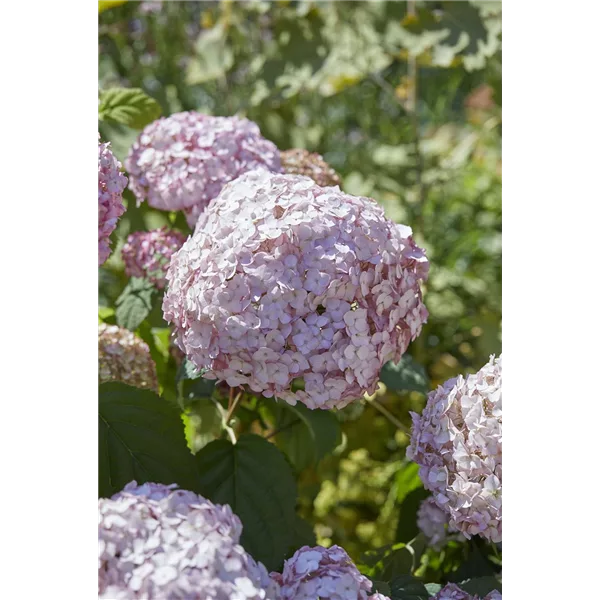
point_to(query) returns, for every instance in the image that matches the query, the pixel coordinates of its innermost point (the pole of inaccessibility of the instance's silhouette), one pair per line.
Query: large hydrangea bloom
(296, 291)
(148, 253)
(457, 442)
(157, 542)
(298, 161)
(324, 573)
(452, 592)
(111, 183)
(122, 356)
(181, 162)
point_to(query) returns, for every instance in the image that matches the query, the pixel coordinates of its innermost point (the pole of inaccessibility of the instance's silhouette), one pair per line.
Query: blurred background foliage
(404, 100)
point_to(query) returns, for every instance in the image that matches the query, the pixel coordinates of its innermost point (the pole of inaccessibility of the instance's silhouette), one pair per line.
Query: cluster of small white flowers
(457, 442)
(285, 283)
(452, 592)
(324, 573)
(181, 162)
(433, 523)
(157, 542)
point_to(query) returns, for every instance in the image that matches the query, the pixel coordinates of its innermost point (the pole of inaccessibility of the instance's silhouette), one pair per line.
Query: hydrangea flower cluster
(295, 290)
(122, 356)
(457, 442)
(111, 183)
(148, 253)
(324, 573)
(181, 162)
(298, 161)
(452, 592)
(433, 523)
(158, 542)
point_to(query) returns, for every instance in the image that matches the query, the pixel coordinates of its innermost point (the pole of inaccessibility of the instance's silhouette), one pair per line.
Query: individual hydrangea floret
(296, 291)
(122, 356)
(453, 592)
(181, 162)
(148, 253)
(324, 573)
(160, 543)
(111, 183)
(457, 442)
(298, 161)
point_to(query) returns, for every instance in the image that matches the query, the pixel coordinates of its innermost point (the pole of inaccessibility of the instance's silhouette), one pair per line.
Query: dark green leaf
(135, 303)
(407, 375)
(481, 586)
(131, 107)
(303, 535)
(140, 437)
(407, 587)
(382, 587)
(188, 370)
(254, 478)
(407, 522)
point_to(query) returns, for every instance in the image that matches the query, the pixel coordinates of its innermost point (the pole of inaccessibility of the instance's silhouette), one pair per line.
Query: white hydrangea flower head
(324, 573)
(457, 442)
(296, 291)
(181, 162)
(158, 542)
(433, 522)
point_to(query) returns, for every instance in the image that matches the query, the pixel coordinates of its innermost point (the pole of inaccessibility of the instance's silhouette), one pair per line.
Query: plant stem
(390, 417)
(232, 408)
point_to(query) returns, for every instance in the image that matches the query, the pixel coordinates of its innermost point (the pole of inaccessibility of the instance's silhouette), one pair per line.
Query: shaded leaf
(407, 375)
(135, 303)
(407, 522)
(481, 586)
(407, 587)
(140, 437)
(254, 478)
(203, 424)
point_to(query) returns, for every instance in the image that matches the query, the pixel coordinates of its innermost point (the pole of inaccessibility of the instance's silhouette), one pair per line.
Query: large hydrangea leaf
(131, 107)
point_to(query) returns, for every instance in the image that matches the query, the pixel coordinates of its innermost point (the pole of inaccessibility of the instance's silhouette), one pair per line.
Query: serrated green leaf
(255, 479)
(306, 436)
(481, 586)
(407, 587)
(135, 303)
(106, 4)
(128, 106)
(140, 437)
(407, 375)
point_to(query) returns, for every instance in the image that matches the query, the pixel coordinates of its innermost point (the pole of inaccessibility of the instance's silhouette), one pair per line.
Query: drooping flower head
(122, 356)
(296, 291)
(148, 253)
(181, 162)
(160, 543)
(324, 573)
(452, 592)
(457, 442)
(433, 523)
(111, 183)
(298, 161)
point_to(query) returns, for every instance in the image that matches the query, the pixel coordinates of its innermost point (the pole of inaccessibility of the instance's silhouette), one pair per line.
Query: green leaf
(188, 371)
(407, 480)
(433, 588)
(255, 479)
(407, 523)
(213, 57)
(306, 435)
(128, 106)
(407, 587)
(140, 437)
(203, 424)
(407, 375)
(303, 535)
(106, 4)
(481, 586)
(381, 587)
(135, 303)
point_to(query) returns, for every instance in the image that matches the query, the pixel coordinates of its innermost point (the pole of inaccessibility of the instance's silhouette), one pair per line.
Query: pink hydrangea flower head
(122, 356)
(457, 442)
(296, 291)
(181, 162)
(148, 253)
(111, 183)
(324, 573)
(433, 522)
(453, 592)
(159, 542)
(298, 161)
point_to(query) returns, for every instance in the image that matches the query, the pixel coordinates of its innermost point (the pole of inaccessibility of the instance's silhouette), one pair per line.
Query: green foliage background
(404, 101)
